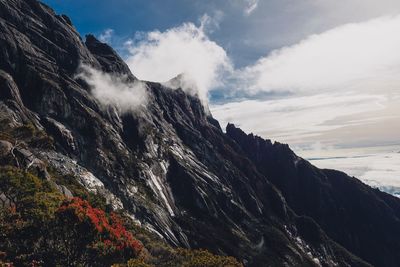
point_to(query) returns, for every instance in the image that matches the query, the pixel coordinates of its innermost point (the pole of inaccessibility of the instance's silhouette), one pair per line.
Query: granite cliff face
(170, 167)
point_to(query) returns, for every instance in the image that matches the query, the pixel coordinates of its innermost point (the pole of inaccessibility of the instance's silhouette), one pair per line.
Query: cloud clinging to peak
(186, 49)
(114, 91)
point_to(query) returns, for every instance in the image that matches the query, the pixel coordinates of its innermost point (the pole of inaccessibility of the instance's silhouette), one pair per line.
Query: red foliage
(113, 234)
(12, 209)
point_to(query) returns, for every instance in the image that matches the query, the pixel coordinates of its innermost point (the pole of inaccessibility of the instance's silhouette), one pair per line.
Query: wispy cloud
(208, 24)
(251, 6)
(106, 35)
(114, 91)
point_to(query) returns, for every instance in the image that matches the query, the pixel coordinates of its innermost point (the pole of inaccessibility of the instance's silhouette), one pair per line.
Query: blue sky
(315, 74)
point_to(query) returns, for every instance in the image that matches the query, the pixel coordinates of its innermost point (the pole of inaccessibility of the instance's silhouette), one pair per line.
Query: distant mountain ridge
(170, 167)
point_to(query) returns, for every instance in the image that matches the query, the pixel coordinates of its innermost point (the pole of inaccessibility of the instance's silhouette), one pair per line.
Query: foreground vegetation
(41, 227)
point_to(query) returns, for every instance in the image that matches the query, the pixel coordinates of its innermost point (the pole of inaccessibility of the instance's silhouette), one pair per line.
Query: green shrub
(202, 258)
(137, 263)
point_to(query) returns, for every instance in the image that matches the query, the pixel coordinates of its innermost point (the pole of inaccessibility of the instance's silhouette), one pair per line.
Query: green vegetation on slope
(41, 227)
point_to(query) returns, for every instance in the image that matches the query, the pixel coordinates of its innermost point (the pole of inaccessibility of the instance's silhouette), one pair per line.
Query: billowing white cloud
(106, 35)
(114, 91)
(361, 56)
(186, 49)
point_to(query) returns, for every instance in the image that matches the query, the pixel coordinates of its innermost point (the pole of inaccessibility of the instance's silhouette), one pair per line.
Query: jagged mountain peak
(179, 81)
(109, 60)
(185, 82)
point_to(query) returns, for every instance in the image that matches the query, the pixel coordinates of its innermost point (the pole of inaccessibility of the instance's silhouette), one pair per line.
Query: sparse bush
(138, 263)
(201, 258)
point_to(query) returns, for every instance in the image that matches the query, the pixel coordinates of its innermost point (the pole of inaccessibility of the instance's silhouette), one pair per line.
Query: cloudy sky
(321, 75)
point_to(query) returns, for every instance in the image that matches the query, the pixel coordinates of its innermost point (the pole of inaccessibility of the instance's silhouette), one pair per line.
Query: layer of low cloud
(186, 49)
(114, 91)
(378, 169)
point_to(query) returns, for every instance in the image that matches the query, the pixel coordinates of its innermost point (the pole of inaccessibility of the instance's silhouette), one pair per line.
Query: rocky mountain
(166, 165)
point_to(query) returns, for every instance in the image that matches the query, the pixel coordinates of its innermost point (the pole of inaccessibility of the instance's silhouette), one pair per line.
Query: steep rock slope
(363, 220)
(168, 165)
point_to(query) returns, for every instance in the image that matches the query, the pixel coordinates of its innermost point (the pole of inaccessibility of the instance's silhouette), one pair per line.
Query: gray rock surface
(5, 148)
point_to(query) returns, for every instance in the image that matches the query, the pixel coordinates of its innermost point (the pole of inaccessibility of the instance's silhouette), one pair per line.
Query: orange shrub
(110, 228)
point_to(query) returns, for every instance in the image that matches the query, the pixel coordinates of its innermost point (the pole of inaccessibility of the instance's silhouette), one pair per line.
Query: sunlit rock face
(166, 162)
